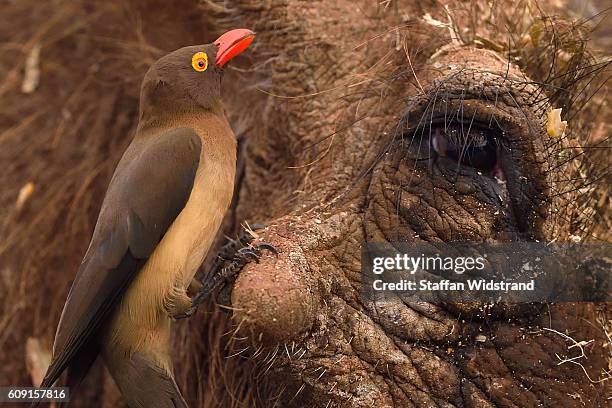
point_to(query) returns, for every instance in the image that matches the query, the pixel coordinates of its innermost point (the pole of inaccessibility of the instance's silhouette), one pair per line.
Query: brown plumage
(161, 212)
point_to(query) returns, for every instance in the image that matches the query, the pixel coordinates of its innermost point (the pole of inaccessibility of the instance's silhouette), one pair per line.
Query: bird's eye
(467, 145)
(199, 61)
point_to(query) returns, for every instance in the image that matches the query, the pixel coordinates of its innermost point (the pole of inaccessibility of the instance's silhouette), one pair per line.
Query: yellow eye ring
(199, 61)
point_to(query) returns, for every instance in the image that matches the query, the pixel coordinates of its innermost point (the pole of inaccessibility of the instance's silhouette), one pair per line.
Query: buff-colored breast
(140, 322)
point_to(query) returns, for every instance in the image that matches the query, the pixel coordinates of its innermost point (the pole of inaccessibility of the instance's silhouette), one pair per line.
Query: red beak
(232, 43)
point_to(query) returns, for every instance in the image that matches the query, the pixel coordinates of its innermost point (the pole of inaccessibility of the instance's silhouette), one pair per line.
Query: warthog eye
(467, 144)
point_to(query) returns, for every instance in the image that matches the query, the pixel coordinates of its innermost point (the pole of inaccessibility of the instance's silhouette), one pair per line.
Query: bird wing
(149, 189)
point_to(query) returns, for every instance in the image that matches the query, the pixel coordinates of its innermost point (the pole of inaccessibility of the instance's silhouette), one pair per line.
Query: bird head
(189, 78)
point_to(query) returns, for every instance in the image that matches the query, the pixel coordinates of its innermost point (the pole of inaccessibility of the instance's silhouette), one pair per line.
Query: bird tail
(143, 384)
(47, 382)
(77, 370)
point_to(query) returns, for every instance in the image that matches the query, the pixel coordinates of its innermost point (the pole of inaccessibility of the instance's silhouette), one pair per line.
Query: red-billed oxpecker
(161, 212)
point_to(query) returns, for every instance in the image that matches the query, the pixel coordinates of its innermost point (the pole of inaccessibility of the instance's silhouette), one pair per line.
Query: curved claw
(269, 247)
(249, 253)
(232, 257)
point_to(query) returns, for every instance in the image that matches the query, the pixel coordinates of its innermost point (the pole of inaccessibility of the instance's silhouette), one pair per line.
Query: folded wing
(149, 189)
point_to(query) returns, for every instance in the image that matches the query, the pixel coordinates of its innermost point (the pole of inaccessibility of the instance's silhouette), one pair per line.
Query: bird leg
(232, 257)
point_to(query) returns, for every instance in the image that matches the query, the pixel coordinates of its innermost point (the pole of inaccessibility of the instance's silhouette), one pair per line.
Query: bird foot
(232, 257)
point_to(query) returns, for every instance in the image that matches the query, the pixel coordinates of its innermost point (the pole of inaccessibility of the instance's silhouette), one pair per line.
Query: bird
(160, 214)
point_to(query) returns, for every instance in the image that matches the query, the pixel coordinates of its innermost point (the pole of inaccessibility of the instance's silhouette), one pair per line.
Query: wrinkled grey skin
(329, 165)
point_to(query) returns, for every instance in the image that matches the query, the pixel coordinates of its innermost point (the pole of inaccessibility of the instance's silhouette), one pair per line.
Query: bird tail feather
(144, 384)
